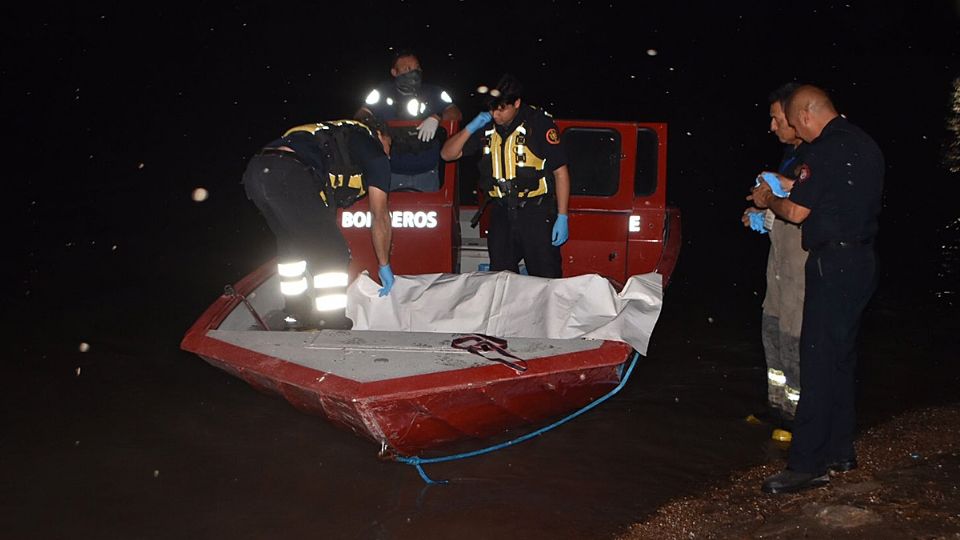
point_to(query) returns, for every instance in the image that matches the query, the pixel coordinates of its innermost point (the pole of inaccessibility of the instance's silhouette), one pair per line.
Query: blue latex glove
(756, 222)
(386, 279)
(774, 183)
(561, 231)
(481, 120)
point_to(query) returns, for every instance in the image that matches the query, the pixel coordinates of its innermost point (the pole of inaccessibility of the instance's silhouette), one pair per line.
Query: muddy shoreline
(907, 486)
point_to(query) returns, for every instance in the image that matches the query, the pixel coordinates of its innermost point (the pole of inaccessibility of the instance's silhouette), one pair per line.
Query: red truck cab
(620, 224)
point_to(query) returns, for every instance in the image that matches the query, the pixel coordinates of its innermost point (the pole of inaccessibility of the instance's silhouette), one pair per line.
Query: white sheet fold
(505, 304)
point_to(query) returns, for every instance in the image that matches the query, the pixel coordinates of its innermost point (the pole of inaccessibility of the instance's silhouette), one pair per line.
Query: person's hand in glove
(773, 180)
(478, 122)
(428, 128)
(386, 279)
(561, 231)
(756, 222)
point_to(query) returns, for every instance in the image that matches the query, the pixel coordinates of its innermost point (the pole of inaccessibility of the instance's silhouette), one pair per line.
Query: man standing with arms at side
(524, 172)
(783, 303)
(837, 197)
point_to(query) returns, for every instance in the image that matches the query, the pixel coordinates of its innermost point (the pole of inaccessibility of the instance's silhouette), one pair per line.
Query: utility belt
(512, 203)
(340, 187)
(284, 154)
(517, 202)
(841, 244)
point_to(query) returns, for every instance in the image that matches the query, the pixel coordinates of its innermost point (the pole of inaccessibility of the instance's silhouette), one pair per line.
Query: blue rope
(418, 462)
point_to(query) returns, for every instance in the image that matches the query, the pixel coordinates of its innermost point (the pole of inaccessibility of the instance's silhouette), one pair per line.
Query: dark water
(120, 121)
(148, 441)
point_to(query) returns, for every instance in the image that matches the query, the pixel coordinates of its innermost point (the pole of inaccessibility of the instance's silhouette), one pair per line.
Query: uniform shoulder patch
(553, 137)
(803, 173)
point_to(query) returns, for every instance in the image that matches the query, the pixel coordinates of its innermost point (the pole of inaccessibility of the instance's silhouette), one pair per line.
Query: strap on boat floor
(480, 343)
(418, 462)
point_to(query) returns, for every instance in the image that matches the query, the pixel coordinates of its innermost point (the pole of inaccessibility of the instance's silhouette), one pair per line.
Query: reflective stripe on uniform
(507, 155)
(330, 279)
(313, 128)
(413, 107)
(776, 377)
(292, 270)
(793, 394)
(293, 288)
(329, 302)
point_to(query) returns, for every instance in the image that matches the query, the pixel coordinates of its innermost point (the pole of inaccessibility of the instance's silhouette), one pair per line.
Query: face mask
(409, 82)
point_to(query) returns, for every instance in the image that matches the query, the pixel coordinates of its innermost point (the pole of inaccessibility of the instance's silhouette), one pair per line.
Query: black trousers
(839, 283)
(527, 235)
(287, 195)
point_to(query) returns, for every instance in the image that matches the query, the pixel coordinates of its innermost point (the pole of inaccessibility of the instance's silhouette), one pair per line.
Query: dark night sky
(124, 109)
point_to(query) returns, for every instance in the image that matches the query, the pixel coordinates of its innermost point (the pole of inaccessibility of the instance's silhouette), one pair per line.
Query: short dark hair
(780, 95)
(509, 89)
(401, 53)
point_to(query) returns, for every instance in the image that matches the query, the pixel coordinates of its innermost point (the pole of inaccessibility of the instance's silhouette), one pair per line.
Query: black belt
(842, 244)
(284, 154)
(532, 201)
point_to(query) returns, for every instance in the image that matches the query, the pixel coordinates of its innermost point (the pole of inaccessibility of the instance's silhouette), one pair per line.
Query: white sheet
(505, 304)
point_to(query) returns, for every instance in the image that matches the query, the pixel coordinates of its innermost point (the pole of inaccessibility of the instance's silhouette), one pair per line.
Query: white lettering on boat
(399, 220)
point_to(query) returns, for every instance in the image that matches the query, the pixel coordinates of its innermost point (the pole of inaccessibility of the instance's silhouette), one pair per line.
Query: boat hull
(406, 412)
(408, 416)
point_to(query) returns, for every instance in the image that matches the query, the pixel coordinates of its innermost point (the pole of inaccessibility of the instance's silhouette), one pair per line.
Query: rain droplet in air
(84, 346)
(200, 194)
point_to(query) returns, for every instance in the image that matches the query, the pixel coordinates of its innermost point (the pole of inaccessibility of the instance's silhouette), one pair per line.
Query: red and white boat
(432, 382)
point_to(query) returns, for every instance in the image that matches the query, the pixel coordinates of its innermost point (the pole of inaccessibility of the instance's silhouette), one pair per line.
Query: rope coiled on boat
(419, 462)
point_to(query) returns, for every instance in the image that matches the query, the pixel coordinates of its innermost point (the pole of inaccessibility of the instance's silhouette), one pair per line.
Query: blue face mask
(409, 82)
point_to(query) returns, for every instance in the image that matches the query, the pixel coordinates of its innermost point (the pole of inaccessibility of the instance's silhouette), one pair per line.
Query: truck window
(645, 179)
(593, 157)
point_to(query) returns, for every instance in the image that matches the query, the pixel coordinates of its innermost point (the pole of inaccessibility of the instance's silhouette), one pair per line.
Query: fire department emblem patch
(804, 173)
(552, 136)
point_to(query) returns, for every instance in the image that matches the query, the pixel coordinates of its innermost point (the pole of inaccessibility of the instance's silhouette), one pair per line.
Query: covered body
(412, 390)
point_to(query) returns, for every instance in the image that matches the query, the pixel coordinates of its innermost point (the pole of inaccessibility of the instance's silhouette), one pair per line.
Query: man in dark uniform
(783, 302)
(524, 173)
(297, 182)
(837, 197)
(415, 153)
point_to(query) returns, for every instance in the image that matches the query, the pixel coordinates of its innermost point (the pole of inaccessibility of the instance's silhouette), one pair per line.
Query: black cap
(507, 90)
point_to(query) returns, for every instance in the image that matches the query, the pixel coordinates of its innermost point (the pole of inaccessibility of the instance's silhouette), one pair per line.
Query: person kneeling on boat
(297, 182)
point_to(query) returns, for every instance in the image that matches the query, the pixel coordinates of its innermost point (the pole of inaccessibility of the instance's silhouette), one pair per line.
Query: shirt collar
(517, 120)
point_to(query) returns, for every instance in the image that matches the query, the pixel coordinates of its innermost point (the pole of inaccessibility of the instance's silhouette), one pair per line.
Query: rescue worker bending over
(524, 173)
(297, 182)
(415, 157)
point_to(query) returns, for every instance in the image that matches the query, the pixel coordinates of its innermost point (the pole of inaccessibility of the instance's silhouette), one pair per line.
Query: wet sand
(905, 487)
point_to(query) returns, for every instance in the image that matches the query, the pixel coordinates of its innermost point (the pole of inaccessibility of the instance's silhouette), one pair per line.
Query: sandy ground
(907, 486)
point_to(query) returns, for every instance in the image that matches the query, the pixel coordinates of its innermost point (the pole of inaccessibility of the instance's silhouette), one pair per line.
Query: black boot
(842, 466)
(788, 481)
